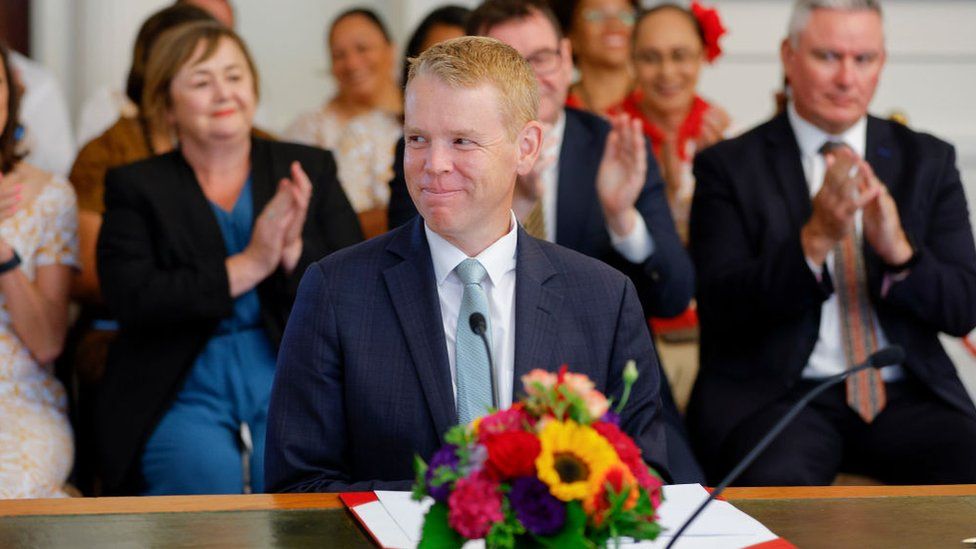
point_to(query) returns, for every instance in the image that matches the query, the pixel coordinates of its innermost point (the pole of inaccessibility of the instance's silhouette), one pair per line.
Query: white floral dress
(36, 445)
(363, 146)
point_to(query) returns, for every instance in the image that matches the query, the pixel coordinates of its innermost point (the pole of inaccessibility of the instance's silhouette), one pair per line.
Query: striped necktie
(865, 389)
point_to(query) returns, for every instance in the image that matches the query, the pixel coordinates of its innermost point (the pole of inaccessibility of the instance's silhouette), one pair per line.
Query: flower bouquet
(554, 470)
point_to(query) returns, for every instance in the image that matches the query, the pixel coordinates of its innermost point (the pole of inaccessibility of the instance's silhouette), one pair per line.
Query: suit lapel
(537, 309)
(784, 156)
(413, 292)
(579, 158)
(188, 201)
(263, 179)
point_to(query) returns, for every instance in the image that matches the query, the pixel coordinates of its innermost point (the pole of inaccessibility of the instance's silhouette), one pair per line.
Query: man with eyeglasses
(593, 189)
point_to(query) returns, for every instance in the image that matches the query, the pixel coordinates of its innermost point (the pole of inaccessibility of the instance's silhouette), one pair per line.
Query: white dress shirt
(636, 246)
(499, 260)
(828, 357)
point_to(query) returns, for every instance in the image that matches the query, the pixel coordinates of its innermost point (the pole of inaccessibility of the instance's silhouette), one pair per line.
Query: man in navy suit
(370, 370)
(568, 198)
(818, 237)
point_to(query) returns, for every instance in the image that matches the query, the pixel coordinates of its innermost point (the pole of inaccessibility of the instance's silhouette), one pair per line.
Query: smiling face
(602, 31)
(362, 59)
(668, 56)
(213, 100)
(834, 67)
(551, 59)
(461, 159)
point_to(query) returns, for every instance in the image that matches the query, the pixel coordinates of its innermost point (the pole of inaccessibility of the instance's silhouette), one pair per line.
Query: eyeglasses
(680, 56)
(595, 15)
(544, 62)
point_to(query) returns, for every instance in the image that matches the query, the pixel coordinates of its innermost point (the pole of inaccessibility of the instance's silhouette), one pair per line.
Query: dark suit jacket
(758, 302)
(161, 265)
(363, 380)
(664, 282)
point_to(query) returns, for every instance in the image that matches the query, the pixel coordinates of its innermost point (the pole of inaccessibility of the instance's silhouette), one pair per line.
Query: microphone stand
(889, 355)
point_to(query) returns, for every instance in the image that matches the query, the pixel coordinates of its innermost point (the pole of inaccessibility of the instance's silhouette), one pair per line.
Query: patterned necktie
(471, 358)
(865, 389)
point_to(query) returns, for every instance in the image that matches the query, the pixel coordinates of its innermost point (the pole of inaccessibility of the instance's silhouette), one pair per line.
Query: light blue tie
(473, 373)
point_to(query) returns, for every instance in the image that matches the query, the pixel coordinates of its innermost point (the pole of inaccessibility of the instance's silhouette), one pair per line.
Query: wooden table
(830, 516)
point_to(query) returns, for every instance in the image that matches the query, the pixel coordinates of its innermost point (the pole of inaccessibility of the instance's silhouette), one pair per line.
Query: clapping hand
(10, 196)
(622, 173)
(715, 122)
(299, 189)
(846, 189)
(882, 224)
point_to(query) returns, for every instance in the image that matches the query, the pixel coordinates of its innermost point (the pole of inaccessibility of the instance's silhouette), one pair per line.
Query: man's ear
(786, 54)
(530, 145)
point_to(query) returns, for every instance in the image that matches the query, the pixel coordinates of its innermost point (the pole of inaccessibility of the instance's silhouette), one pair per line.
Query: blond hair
(171, 52)
(470, 61)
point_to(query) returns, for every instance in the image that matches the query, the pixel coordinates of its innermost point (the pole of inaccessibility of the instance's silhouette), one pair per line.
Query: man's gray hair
(802, 10)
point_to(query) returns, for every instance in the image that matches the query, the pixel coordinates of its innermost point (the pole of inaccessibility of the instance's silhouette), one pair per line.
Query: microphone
(892, 354)
(479, 326)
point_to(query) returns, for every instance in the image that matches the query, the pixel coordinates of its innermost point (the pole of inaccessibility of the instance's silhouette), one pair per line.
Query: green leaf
(420, 478)
(573, 534)
(437, 533)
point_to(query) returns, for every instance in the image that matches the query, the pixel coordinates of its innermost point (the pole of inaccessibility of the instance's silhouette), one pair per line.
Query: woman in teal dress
(200, 255)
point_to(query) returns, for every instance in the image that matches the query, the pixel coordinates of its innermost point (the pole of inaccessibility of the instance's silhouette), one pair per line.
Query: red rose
(511, 454)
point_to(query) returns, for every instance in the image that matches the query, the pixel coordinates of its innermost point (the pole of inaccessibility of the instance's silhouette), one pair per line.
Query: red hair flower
(712, 29)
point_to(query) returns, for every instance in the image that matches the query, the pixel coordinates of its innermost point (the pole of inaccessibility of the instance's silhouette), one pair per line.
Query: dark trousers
(916, 439)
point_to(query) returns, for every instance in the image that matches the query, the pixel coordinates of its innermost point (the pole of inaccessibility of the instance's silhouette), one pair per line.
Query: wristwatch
(10, 264)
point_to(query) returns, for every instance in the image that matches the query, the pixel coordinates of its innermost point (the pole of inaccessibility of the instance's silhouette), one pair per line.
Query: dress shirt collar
(497, 259)
(810, 138)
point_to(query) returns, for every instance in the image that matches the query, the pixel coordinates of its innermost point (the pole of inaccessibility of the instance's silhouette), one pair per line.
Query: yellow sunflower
(571, 456)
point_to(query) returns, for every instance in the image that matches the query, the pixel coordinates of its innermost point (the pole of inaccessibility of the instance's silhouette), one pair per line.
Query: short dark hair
(149, 32)
(453, 16)
(675, 7)
(565, 11)
(373, 17)
(492, 13)
(9, 156)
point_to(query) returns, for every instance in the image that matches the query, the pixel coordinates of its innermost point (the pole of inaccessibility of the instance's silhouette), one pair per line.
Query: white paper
(720, 525)
(379, 523)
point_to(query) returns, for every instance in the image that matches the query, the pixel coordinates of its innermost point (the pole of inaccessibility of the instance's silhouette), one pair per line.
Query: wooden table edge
(266, 502)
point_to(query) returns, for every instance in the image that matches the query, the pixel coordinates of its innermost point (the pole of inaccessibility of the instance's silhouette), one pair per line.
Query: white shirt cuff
(816, 269)
(637, 246)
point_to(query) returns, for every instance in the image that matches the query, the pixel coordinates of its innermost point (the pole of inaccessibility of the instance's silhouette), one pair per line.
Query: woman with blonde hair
(200, 255)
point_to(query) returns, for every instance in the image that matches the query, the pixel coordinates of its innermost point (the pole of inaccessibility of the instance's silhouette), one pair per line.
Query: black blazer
(161, 265)
(758, 302)
(664, 282)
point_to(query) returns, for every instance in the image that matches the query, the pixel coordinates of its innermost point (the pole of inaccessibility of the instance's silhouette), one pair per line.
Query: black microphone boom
(893, 354)
(479, 326)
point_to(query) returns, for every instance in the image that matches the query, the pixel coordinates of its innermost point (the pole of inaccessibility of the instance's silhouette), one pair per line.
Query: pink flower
(579, 384)
(596, 404)
(474, 505)
(532, 380)
(504, 421)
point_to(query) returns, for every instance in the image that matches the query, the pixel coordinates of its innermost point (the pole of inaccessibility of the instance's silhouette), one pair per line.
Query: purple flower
(611, 417)
(445, 457)
(537, 509)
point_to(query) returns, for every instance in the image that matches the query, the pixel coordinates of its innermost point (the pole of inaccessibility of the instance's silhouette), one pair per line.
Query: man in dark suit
(377, 361)
(819, 237)
(568, 197)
